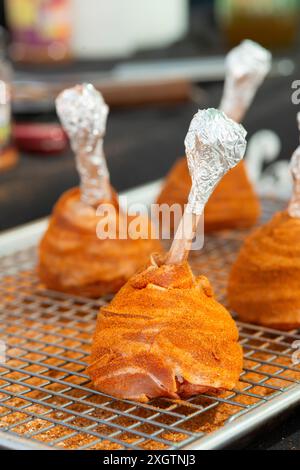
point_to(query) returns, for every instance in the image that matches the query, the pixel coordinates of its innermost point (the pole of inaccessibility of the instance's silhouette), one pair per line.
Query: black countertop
(285, 435)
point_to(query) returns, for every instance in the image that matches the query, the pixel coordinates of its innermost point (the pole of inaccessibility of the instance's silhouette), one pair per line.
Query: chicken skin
(165, 335)
(264, 284)
(74, 260)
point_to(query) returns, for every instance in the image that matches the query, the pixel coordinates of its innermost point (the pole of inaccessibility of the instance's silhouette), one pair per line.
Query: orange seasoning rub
(264, 284)
(174, 338)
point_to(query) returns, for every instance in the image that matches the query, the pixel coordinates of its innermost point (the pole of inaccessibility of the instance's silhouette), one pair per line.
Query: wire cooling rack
(47, 400)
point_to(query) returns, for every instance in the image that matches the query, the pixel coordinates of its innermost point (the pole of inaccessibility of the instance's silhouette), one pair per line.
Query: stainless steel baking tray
(46, 399)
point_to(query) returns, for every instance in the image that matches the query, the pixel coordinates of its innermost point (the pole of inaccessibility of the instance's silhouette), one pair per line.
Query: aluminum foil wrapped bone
(214, 144)
(294, 205)
(83, 114)
(246, 67)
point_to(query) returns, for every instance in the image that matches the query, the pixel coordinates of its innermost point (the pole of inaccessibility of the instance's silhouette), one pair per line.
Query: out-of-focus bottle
(41, 30)
(8, 152)
(272, 23)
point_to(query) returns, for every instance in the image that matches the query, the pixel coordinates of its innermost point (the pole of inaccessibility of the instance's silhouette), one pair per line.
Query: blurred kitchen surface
(156, 63)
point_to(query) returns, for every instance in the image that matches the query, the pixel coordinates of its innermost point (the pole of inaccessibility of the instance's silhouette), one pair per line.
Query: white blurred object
(158, 23)
(275, 180)
(115, 28)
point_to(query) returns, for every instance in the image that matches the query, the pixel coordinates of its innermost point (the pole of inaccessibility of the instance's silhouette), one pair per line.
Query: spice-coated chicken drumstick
(234, 203)
(72, 258)
(264, 284)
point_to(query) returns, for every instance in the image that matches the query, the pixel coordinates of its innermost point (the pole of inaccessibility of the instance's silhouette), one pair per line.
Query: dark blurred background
(177, 48)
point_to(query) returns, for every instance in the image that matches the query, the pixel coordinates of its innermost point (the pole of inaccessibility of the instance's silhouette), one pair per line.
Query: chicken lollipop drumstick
(72, 258)
(234, 203)
(246, 68)
(164, 334)
(264, 283)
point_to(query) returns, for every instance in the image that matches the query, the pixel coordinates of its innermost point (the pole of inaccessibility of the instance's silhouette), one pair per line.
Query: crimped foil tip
(294, 206)
(83, 114)
(249, 59)
(246, 67)
(214, 144)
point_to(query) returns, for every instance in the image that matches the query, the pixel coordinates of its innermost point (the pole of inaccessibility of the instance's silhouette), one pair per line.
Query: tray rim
(249, 422)
(28, 235)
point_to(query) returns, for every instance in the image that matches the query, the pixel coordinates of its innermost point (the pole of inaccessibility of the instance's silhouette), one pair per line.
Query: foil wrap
(246, 67)
(214, 144)
(83, 114)
(294, 205)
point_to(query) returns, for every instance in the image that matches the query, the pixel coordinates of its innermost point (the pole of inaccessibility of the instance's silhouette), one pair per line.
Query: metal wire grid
(46, 396)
